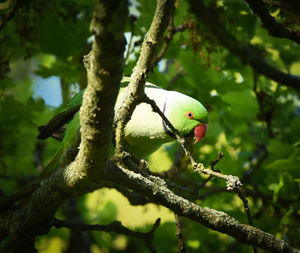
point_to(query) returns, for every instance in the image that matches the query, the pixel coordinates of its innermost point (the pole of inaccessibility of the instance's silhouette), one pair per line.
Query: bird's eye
(189, 115)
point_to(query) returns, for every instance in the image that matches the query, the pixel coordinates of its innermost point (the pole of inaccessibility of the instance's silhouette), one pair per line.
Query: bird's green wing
(69, 137)
(66, 115)
(63, 117)
(145, 132)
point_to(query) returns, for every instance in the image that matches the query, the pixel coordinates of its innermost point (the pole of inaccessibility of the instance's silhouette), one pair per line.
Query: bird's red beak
(199, 132)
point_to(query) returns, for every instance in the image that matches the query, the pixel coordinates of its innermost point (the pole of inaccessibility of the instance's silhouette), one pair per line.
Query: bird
(146, 131)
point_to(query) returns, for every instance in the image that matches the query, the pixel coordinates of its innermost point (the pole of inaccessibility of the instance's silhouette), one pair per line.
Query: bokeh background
(253, 120)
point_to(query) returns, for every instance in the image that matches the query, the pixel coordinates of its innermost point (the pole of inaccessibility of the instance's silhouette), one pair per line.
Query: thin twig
(129, 47)
(211, 218)
(212, 167)
(144, 65)
(167, 40)
(246, 207)
(181, 140)
(232, 182)
(247, 211)
(115, 226)
(179, 234)
(172, 30)
(266, 112)
(132, 19)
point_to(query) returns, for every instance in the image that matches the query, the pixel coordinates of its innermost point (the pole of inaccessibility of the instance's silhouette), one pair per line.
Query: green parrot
(146, 131)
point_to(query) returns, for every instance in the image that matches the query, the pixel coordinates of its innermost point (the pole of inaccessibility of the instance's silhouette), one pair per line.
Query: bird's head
(187, 115)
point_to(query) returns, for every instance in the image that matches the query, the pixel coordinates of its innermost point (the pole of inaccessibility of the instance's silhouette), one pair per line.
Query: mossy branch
(144, 64)
(84, 174)
(104, 76)
(33, 216)
(210, 218)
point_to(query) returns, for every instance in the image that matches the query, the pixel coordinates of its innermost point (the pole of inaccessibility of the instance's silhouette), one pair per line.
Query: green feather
(145, 132)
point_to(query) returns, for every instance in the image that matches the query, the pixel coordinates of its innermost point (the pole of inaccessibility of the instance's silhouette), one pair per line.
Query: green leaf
(276, 188)
(243, 104)
(283, 165)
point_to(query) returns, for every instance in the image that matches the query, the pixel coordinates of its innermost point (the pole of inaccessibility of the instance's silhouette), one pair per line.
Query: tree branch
(246, 52)
(33, 217)
(232, 182)
(179, 234)
(275, 29)
(135, 88)
(172, 30)
(212, 167)
(104, 76)
(210, 218)
(11, 199)
(17, 6)
(247, 211)
(132, 20)
(134, 198)
(115, 226)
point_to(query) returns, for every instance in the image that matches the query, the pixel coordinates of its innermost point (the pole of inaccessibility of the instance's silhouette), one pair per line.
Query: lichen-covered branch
(104, 76)
(33, 216)
(210, 218)
(138, 78)
(91, 168)
(246, 52)
(232, 182)
(167, 39)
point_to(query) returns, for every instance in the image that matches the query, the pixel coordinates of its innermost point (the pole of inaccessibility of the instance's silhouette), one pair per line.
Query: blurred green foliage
(253, 120)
